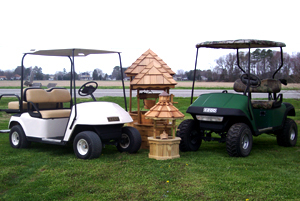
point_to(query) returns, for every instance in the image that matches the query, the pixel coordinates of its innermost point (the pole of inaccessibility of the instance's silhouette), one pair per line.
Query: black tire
(17, 138)
(87, 145)
(131, 140)
(279, 137)
(289, 135)
(190, 137)
(239, 140)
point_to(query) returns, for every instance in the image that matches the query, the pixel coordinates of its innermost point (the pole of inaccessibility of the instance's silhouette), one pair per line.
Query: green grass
(49, 172)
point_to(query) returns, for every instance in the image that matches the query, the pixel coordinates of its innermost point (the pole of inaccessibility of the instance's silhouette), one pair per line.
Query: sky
(170, 28)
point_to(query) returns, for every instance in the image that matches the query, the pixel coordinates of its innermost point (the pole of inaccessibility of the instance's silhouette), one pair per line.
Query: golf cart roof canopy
(241, 43)
(69, 52)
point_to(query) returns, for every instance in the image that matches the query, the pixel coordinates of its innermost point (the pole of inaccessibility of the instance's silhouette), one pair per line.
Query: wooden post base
(164, 149)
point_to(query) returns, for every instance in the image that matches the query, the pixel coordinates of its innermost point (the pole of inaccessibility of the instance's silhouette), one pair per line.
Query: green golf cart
(236, 117)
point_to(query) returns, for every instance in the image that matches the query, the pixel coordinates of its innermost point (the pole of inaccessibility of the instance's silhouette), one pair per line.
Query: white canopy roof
(69, 52)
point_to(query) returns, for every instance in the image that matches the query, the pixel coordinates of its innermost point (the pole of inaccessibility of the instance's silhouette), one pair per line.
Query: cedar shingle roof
(154, 75)
(145, 59)
(164, 109)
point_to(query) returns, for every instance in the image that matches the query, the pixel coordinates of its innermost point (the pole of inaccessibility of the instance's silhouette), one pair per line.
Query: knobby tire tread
(183, 132)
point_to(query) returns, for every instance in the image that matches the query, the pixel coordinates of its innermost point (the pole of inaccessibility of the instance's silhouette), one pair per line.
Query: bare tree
(180, 74)
(98, 73)
(295, 67)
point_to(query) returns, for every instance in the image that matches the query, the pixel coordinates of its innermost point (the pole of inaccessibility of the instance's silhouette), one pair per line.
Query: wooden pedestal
(146, 128)
(164, 149)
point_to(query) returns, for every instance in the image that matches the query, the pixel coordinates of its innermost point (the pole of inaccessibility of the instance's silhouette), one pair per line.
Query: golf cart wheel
(131, 140)
(17, 137)
(239, 140)
(190, 137)
(288, 136)
(87, 145)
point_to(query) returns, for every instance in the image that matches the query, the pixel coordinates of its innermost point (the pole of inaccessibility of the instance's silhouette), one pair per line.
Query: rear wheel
(190, 137)
(17, 137)
(239, 140)
(87, 145)
(289, 135)
(131, 140)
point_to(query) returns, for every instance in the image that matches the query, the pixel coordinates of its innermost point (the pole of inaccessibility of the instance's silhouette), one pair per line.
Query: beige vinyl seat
(15, 105)
(47, 104)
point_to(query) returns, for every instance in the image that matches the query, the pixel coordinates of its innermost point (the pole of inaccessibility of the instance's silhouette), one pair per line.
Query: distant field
(119, 83)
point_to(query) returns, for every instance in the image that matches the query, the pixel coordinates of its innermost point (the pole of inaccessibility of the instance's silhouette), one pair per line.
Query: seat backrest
(55, 95)
(50, 99)
(266, 86)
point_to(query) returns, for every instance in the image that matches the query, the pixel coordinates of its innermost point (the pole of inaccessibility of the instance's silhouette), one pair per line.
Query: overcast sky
(170, 28)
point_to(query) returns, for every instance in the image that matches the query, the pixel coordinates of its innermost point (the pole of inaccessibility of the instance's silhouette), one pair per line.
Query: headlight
(209, 118)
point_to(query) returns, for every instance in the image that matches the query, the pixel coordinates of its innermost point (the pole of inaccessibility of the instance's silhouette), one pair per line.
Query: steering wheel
(85, 90)
(253, 79)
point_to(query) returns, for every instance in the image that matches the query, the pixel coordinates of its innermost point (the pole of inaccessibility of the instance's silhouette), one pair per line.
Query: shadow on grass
(67, 150)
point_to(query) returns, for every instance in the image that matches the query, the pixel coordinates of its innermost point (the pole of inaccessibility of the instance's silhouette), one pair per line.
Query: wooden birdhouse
(147, 73)
(164, 115)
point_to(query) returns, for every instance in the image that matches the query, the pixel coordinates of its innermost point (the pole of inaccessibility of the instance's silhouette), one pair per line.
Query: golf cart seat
(53, 98)
(15, 105)
(270, 86)
(266, 86)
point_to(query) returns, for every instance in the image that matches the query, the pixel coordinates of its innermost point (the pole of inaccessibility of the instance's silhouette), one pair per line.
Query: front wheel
(17, 137)
(239, 140)
(131, 140)
(288, 136)
(87, 145)
(190, 137)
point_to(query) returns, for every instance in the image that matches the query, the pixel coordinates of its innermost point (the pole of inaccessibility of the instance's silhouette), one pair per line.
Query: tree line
(263, 64)
(115, 75)
(38, 74)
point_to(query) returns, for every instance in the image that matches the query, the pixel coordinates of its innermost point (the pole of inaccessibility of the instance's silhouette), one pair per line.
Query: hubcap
(82, 147)
(125, 142)
(15, 138)
(293, 135)
(245, 141)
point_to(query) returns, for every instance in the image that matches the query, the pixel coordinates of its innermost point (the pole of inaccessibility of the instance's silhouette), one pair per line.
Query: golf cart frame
(235, 117)
(41, 117)
(71, 54)
(240, 44)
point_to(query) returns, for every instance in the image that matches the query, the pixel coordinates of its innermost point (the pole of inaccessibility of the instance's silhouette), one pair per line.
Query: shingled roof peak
(164, 94)
(144, 60)
(153, 75)
(149, 51)
(164, 109)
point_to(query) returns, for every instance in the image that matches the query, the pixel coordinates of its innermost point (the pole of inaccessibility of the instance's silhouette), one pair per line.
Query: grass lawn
(49, 172)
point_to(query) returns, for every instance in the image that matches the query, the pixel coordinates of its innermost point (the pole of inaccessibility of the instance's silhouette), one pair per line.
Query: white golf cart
(40, 115)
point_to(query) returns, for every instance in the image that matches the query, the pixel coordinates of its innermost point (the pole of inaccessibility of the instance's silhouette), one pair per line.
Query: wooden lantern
(164, 147)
